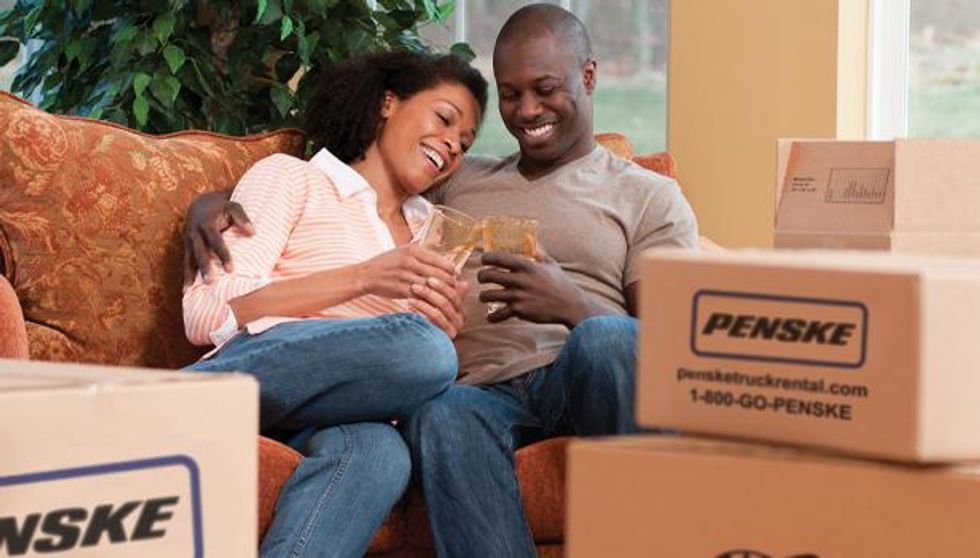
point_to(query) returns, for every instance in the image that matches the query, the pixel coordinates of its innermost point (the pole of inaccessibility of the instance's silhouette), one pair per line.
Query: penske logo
(772, 328)
(66, 529)
(135, 508)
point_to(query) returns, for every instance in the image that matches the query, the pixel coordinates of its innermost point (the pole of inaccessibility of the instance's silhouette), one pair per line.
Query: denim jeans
(332, 386)
(463, 441)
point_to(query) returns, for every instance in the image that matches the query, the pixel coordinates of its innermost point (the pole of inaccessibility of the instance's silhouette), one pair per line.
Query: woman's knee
(425, 355)
(375, 450)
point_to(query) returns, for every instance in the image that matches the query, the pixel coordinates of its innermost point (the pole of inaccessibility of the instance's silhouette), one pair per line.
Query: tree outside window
(944, 72)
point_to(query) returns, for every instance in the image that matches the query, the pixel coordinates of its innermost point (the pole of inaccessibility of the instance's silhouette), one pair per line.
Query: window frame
(888, 69)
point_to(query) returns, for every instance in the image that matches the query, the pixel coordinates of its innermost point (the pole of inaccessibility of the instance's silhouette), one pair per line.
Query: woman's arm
(274, 193)
(389, 275)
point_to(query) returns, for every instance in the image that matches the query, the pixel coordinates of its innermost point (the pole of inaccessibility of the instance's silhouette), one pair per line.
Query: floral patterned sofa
(90, 271)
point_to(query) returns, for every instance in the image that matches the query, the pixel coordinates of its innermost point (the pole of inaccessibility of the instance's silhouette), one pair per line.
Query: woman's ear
(389, 105)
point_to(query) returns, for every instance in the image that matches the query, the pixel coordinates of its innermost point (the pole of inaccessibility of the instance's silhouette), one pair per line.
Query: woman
(345, 324)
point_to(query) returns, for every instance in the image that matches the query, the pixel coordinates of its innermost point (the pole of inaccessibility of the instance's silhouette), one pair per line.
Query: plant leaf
(287, 28)
(125, 34)
(139, 83)
(445, 11)
(79, 6)
(431, 10)
(175, 57)
(463, 50)
(8, 50)
(174, 85)
(163, 26)
(141, 109)
(282, 98)
(263, 5)
(165, 89)
(30, 22)
(85, 52)
(72, 49)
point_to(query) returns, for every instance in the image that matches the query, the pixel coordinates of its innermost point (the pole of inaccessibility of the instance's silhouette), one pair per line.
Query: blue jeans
(332, 386)
(463, 441)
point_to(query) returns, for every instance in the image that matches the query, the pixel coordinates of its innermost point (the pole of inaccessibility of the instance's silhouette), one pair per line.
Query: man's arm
(207, 217)
(666, 221)
(632, 294)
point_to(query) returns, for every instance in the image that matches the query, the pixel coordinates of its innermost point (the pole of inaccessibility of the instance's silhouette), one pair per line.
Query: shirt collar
(349, 182)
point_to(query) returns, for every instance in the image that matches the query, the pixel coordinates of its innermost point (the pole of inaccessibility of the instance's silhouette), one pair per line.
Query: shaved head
(536, 20)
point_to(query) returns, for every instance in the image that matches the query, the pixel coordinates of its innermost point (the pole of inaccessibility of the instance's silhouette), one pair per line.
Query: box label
(148, 507)
(860, 186)
(785, 329)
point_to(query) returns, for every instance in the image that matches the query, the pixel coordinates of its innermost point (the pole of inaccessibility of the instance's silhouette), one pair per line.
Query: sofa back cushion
(661, 163)
(90, 229)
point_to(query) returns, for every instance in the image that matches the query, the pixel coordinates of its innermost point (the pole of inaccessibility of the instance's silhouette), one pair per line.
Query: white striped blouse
(308, 216)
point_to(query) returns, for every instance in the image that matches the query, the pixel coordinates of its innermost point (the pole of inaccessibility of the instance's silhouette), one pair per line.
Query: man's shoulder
(632, 177)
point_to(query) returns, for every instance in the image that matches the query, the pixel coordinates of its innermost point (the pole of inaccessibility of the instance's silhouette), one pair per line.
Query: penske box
(919, 196)
(863, 352)
(687, 498)
(104, 462)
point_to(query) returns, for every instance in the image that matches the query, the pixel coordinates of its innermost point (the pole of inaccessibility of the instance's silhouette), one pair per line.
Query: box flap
(938, 185)
(22, 375)
(844, 260)
(717, 447)
(836, 186)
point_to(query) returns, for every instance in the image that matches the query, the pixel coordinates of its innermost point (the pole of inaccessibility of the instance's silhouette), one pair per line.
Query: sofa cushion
(90, 227)
(13, 338)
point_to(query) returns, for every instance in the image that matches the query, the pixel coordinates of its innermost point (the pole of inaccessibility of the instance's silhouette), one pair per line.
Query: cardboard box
(687, 498)
(915, 196)
(864, 352)
(102, 462)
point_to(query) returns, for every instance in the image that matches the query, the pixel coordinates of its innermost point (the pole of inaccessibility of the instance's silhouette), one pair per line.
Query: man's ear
(590, 75)
(389, 105)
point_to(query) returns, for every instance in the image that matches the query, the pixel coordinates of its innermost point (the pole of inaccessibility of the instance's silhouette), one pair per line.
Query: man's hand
(537, 291)
(207, 217)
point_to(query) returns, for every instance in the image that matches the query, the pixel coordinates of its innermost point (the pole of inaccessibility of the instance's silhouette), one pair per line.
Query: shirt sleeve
(665, 221)
(272, 194)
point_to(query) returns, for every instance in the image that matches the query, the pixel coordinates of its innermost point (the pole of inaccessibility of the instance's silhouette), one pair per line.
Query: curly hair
(344, 112)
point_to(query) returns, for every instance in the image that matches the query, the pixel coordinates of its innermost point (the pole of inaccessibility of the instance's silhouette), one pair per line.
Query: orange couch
(90, 258)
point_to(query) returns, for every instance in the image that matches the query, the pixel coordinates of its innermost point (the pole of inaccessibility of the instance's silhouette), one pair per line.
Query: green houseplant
(231, 66)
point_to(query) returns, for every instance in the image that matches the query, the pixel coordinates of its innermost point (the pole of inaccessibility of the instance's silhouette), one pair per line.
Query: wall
(743, 73)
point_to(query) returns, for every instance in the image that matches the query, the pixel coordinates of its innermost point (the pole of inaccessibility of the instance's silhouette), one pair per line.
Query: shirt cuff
(226, 331)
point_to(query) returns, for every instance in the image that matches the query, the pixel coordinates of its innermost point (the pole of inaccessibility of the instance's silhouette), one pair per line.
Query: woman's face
(425, 136)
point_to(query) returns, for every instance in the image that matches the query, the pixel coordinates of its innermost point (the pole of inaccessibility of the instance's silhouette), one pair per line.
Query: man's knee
(450, 420)
(601, 338)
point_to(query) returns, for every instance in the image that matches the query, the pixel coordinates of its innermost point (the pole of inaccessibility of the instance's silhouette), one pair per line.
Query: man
(559, 357)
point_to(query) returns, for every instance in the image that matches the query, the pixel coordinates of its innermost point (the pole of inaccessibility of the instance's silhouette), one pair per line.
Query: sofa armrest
(13, 332)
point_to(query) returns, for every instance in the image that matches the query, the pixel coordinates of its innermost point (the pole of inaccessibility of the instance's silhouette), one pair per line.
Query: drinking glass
(513, 235)
(450, 233)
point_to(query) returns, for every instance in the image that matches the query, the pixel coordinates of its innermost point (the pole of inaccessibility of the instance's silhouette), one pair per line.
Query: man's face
(544, 95)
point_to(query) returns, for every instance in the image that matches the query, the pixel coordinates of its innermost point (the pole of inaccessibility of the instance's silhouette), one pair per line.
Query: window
(924, 69)
(944, 68)
(629, 38)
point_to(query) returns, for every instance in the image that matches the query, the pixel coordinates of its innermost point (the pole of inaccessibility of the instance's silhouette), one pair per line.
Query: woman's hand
(393, 273)
(441, 304)
(423, 277)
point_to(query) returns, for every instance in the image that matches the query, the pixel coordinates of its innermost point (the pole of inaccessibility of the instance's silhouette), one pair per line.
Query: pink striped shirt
(308, 216)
